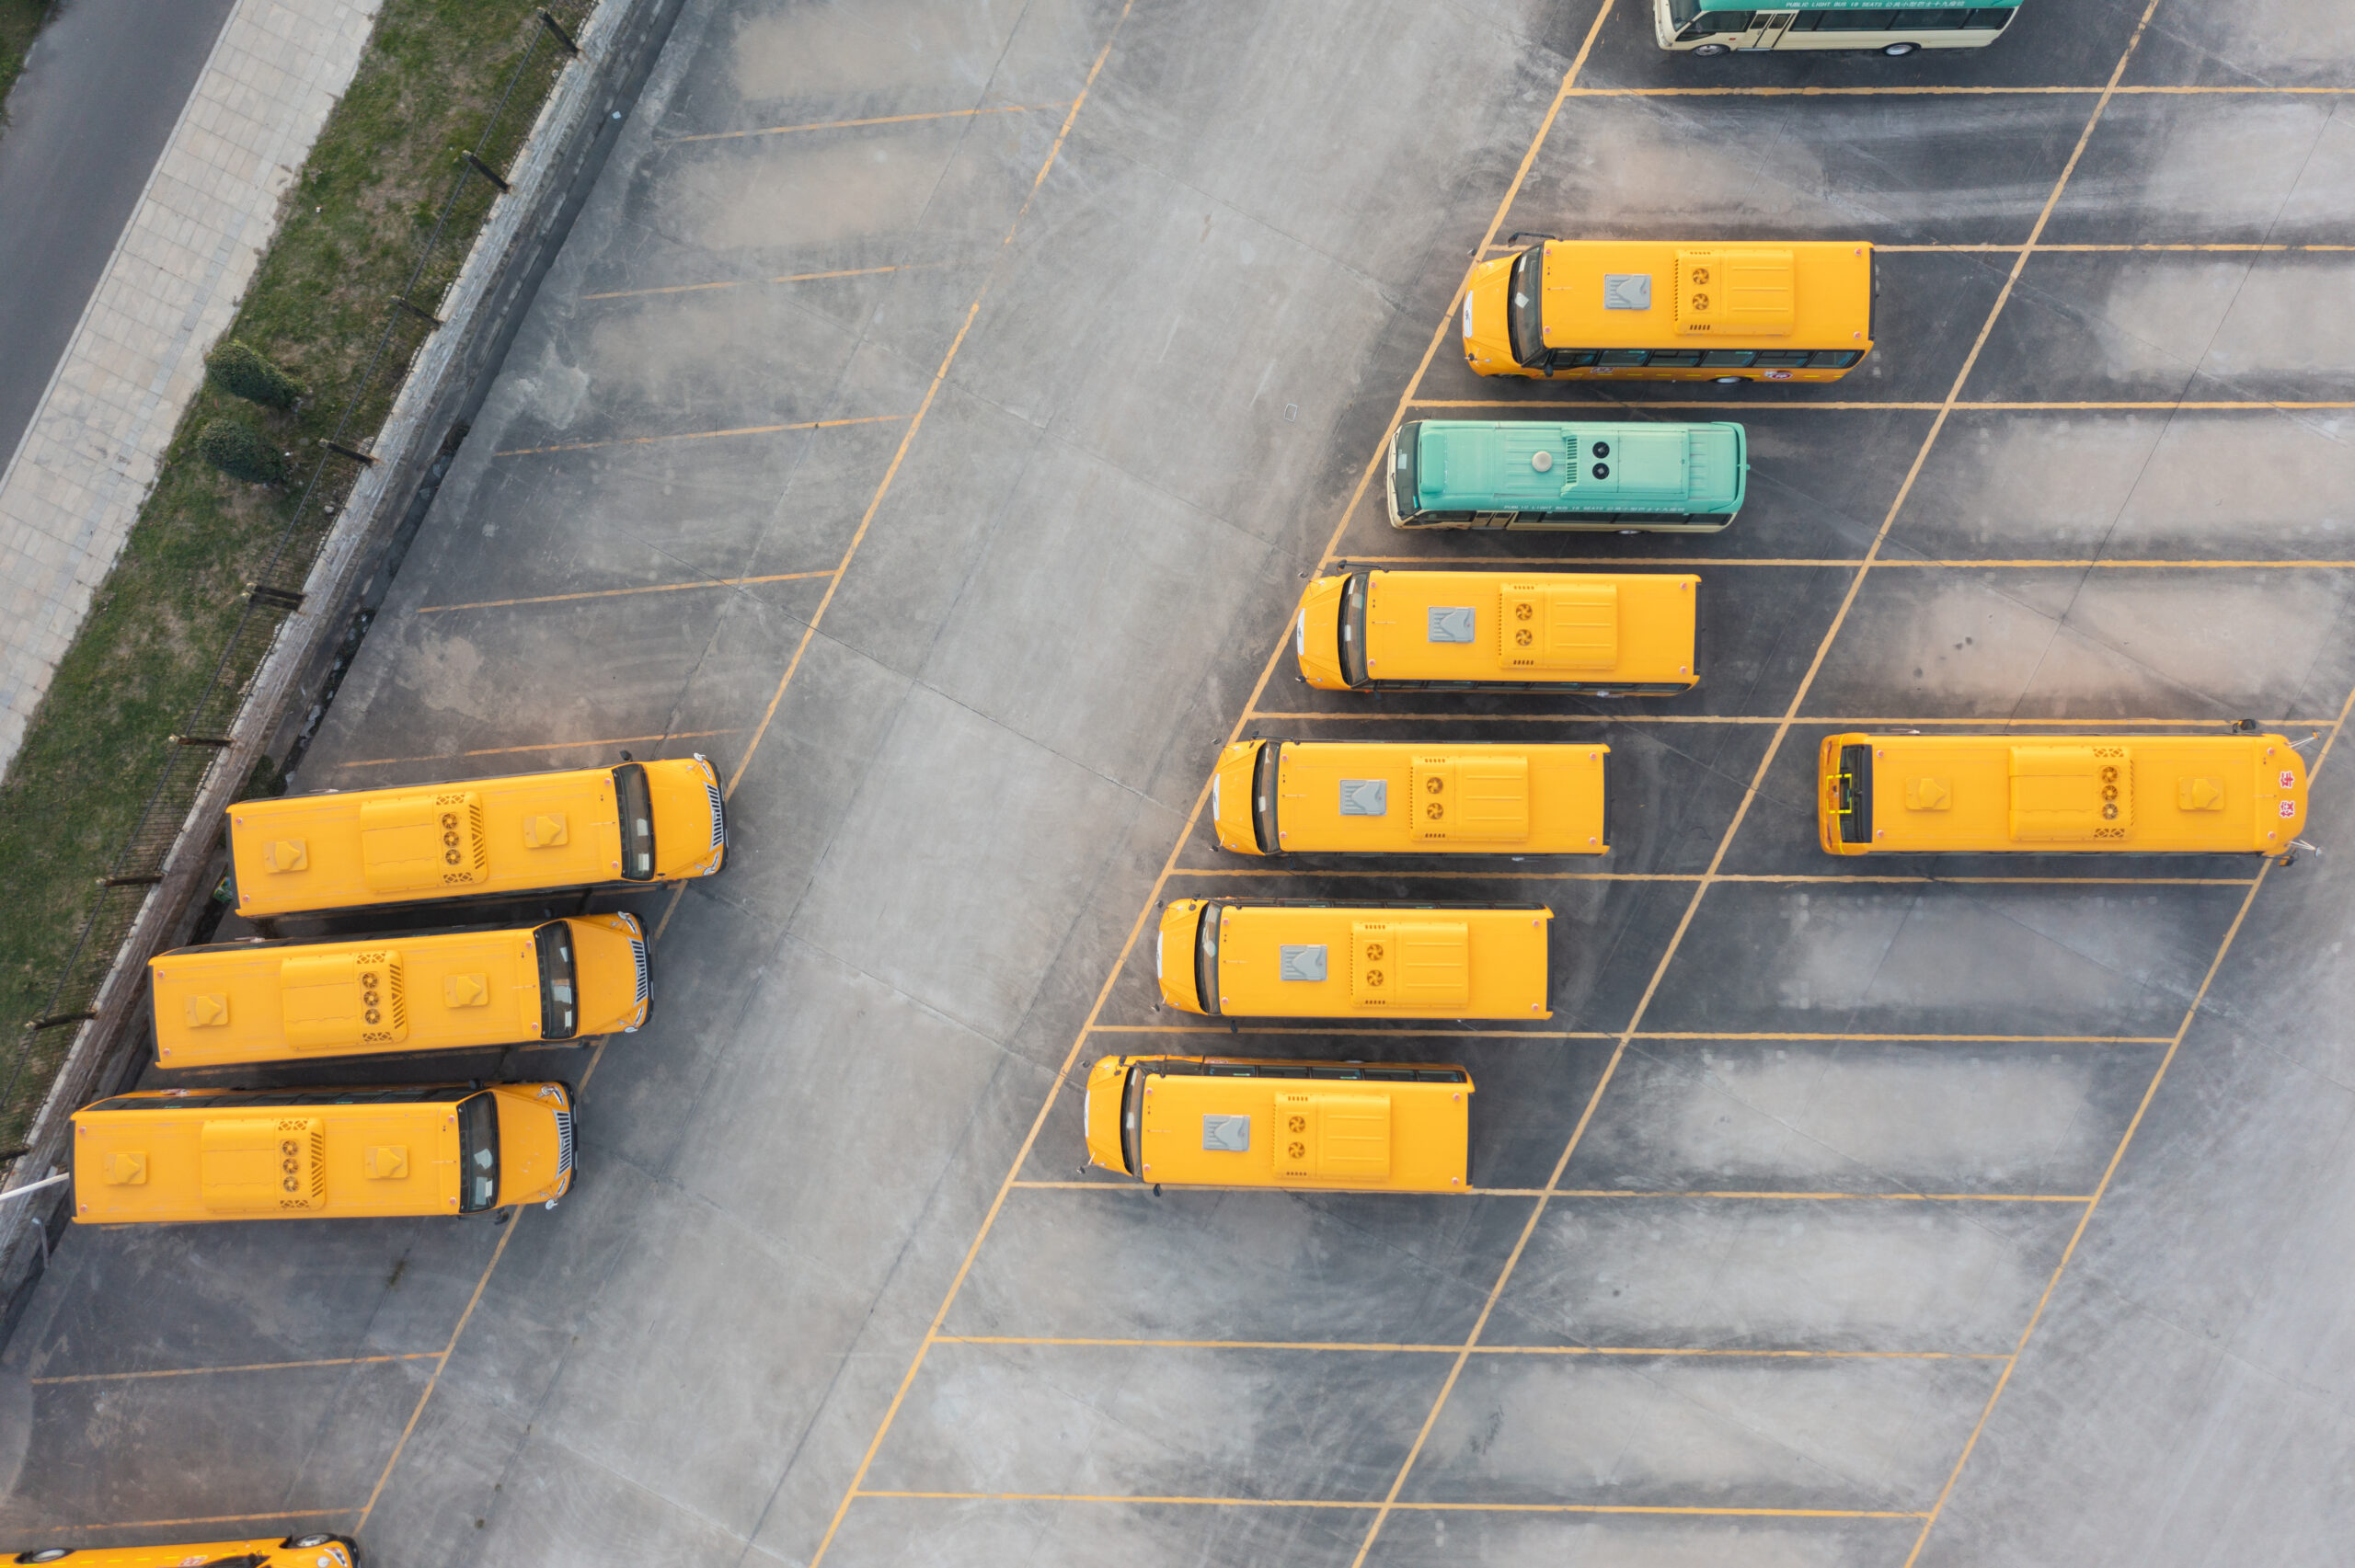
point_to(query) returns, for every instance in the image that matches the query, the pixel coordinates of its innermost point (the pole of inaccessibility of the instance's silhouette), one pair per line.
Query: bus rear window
(477, 1152)
(1525, 307)
(636, 804)
(1855, 798)
(560, 994)
(1402, 470)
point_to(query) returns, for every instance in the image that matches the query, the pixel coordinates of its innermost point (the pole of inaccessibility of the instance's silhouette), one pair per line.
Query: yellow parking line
(1167, 1500)
(1578, 410)
(855, 124)
(249, 1366)
(196, 1519)
(1952, 564)
(1419, 874)
(1729, 1194)
(755, 282)
(540, 746)
(621, 592)
(1377, 1347)
(1945, 92)
(702, 435)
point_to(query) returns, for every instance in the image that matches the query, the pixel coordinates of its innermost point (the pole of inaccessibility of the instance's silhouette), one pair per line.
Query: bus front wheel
(1710, 50)
(1898, 50)
(1728, 380)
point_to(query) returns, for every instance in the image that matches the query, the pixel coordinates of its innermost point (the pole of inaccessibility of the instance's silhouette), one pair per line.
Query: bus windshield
(559, 1000)
(1132, 1120)
(1353, 631)
(1263, 797)
(636, 804)
(1206, 959)
(477, 1152)
(1402, 471)
(1526, 312)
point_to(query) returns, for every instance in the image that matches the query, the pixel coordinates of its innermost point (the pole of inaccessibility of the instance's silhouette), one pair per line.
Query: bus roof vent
(414, 841)
(2072, 794)
(1470, 798)
(1332, 1135)
(1572, 625)
(344, 999)
(262, 1164)
(1736, 292)
(1410, 963)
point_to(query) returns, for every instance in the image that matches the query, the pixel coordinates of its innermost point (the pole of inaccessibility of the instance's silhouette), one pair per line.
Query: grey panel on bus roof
(1450, 624)
(1626, 291)
(1227, 1135)
(1365, 797)
(1300, 961)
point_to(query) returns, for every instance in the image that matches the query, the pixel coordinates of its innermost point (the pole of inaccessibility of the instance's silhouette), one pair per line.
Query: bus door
(1494, 519)
(1766, 29)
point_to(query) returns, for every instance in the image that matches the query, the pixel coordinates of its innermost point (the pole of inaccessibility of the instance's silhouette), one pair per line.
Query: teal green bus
(1524, 474)
(1721, 27)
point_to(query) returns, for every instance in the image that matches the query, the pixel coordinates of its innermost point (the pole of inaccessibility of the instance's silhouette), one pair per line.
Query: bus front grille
(563, 1144)
(719, 817)
(637, 956)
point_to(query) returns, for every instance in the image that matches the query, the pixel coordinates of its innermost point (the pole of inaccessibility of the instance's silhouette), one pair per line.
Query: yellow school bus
(639, 822)
(1281, 958)
(1243, 1122)
(183, 1154)
(2051, 794)
(238, 1001)
(1672, 310)
(1598, 634)
(314, 1550)
(1405, 797)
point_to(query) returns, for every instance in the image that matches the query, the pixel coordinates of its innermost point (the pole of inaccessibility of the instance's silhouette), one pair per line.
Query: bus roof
(217, 1157)
(2138, 794)
(1330, 961)
(1486, 464)
(343, 851)
(1376, 1125)
(1600, 628)
(1372, 796)
(241, 1001)
(1631, 294)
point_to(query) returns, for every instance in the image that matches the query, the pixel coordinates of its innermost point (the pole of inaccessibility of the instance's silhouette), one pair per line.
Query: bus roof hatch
(1743, 291)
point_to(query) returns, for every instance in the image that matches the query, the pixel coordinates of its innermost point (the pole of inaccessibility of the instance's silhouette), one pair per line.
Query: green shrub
(241, 452)
(243, 372)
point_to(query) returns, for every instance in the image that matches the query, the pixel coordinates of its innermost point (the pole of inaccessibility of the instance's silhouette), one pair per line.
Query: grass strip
(19, 20)
(349, 233)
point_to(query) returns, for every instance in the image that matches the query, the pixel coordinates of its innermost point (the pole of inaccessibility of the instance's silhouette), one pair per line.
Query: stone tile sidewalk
(75, 483)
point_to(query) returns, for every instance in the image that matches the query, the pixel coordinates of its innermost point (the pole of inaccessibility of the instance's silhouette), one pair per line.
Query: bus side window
(1738, 359)
(1990, 18)
(1683, 359)
(1833, 358)
(1622, 357)
(1782, 358)
(1946, 19)
(1858, 21)
(1571, 359)
(1807, 21)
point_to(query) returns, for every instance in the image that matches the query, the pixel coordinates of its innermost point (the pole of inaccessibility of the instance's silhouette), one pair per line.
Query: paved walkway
(75, 481)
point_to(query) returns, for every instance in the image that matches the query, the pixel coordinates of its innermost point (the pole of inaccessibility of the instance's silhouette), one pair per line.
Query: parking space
(932, 418)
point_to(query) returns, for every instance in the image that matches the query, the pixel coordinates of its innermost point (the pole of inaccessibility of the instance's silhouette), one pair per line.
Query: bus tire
(1898, 51)
(1710, 50)
(1728, 380)
(304, 1543)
